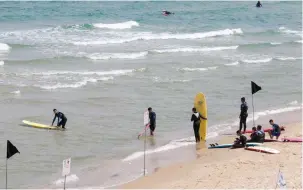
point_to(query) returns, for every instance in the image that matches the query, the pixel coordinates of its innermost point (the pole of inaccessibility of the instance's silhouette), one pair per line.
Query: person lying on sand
(276, 130)
(241, 141)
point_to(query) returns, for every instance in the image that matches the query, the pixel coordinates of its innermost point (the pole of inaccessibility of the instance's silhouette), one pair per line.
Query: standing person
(276, 130)
(196, 123)
(152, 121)
(243, 114)
(60, 117)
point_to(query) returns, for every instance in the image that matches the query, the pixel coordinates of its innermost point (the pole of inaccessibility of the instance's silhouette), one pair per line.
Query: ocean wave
(4, 47)
(275, 43)
(299, 41)
(99, 73)
(97, 56)
(119, 26)
(76, 85)
(288, 31)
(232, 64)
(166, 80)
(216, 130)
(288, 58)
(15, 92)
(69, 179)
(162, 36)
(265, 60)
(1, 63)
(189, 49)
(197, 69)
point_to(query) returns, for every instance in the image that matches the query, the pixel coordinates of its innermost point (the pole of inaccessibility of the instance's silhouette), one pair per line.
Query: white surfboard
(263, 149)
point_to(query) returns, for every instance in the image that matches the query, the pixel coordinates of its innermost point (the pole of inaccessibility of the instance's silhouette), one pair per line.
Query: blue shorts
(276, 134)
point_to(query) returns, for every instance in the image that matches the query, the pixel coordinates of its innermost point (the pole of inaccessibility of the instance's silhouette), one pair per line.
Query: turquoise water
(104, 63)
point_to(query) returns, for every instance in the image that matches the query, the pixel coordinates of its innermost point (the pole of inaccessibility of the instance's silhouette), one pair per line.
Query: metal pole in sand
(6, 173)
(144, 149)
(252, 99)
(64, 181)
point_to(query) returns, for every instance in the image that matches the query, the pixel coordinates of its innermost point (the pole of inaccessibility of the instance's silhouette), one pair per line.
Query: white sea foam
(190, 49)
(98, 56)
(75, 85)
(265, 60)
(288, 58)
(99, 73)
(288, 31)
(232, 64)
(162, 36)
(119, 26)
(16, 92)
(1, 63)
(275, 43)
(4, 47)
(69, 179)
(300, 41)
(197, 69)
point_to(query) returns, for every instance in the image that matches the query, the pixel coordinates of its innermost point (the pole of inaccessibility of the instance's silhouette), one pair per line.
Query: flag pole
(6, 173)
(144, 148)
(252, 99)
(64, 181)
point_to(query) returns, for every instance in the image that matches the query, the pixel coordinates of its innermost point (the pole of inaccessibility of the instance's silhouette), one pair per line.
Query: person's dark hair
(254, 128)
(259, 127)
(271, 121)
(194, 109)
(243, 98)
(149, 108)
(54, 110)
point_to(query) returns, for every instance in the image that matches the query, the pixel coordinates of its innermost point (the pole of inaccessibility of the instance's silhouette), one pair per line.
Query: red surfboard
(294, 139)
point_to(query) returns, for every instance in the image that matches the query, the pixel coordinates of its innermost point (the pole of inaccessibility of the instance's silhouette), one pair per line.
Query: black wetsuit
(167, 12)
(196, 125)
(258, 4)
(152, 119)
(240, 142)
(62, 118)
(243, 115)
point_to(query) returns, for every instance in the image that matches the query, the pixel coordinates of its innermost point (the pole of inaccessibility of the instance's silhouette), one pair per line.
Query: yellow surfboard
(41, 126)
(201, 106)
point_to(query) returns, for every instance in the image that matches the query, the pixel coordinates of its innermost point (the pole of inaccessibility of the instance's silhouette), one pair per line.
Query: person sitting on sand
(261, 133)
(254, 137)
(241, 141)
(276, 130)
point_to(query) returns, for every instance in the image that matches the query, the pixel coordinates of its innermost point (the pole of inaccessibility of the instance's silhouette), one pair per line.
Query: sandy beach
(233, 168)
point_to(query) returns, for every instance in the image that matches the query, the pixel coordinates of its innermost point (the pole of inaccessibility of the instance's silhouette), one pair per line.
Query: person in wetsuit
(241, 141)
(61, 119)
(261, 134)
(196, 123)
(152, 121)
(276, 130)
(258, 4)
(254, 137)
(166, 12)
(243, 114)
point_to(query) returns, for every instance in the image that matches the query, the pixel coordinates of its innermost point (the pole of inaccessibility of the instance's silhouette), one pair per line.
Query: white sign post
(66, 169)
(146, 123)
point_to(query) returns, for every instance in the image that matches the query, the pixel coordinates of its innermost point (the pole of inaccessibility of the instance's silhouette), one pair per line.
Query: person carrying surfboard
(152, 121)
(60, 117)
(195, 117)
(243, 114)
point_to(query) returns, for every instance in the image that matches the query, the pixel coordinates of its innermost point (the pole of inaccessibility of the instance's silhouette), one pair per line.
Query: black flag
(11, 150)
(254, 87)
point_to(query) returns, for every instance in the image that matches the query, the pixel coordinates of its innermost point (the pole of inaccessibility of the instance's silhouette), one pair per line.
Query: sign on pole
(146, 118)
(66, 167)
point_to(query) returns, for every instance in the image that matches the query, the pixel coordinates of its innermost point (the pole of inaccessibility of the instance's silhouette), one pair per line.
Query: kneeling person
(61, 119)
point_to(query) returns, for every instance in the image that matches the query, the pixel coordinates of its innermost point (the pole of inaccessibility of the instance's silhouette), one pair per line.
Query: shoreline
(182, 174)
